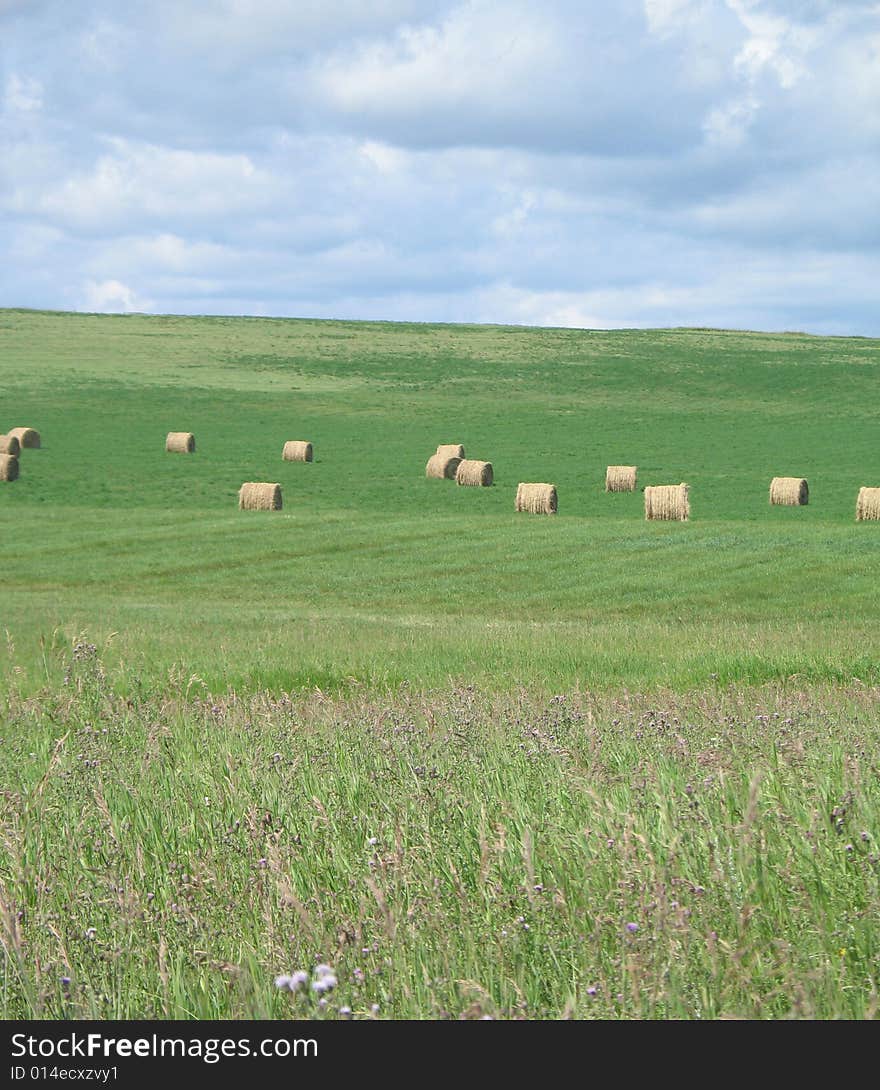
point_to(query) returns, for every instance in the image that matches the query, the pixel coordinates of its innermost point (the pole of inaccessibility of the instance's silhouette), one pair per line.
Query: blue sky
(569, 163)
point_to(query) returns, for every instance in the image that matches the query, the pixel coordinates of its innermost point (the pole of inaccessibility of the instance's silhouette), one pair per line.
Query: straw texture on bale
(868, 505)
(296, 450)
(451, 450)
(536, 499)
(259, 496)
(669, 502)
(442, 466)
(8, 467)
(620, 478)
(26, 437)
(9, 444)
(180, 442)
(472, 472)
(789, 491)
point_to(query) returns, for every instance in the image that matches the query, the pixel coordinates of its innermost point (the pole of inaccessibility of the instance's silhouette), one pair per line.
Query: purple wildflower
(294, 982)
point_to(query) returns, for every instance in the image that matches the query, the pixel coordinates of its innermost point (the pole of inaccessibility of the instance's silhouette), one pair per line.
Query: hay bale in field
(536, 499)
(451, 450)
(868, 505)
(472, 472)
(789, 492)
(620, 478)
(9, 444)
(259, 496)
(297, 450)
(180, 442)
(26, 437)
(669, 502)
(8, 467)
(442, 466)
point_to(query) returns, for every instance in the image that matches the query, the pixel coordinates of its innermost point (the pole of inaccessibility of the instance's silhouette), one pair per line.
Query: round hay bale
(620, 478)
(451, 450)
(180, 442)
(296, 450)
(789, 492)
(669, 502)
(536, 499)
(9, 444)
(474, 473)
(26, 437)
(868, 505)
(8, 467)
(442, 466)
(259, 496)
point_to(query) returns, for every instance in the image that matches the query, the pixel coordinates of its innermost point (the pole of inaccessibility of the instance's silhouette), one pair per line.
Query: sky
(646, 163)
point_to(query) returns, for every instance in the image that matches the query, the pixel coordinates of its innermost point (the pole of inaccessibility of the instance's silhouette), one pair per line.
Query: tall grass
(449, 854)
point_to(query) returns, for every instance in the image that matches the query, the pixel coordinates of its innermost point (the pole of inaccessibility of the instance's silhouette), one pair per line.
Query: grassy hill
(373, 572)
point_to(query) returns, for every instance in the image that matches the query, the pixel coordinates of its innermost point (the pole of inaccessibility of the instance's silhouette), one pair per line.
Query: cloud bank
(650, 163)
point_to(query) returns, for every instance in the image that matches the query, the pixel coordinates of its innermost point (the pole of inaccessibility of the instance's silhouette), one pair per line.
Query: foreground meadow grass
(450, 855)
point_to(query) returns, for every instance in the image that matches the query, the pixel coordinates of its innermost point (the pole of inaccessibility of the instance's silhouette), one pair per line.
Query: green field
(374, 573)
(482, 764)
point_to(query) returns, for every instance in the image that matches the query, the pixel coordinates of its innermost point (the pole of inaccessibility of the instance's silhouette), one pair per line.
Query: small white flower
(294, 982)
(324, 983)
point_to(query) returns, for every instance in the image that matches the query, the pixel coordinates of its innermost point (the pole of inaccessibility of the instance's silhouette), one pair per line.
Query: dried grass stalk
(26, 437)
(536, 499)
(789, 491)
(8, 467)
(180, 442)
(868, 505)
(668, 501)
(259, 496)
(442, 466)
(9, 444)
(620, 478)
(451, 450)
(296, 450)
(472, 472)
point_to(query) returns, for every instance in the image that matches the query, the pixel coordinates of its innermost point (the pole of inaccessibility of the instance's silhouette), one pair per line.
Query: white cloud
(104, 45)
(574, 162)
(555, 77)
(161, 255)
(137, 182)
(727, 126)
(111, 297)
(22, 95)
(386, 159)
(668, 17)
(230, 31)
(774, 43)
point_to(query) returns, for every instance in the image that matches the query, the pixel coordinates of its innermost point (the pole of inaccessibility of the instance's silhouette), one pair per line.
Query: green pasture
(372, 572)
